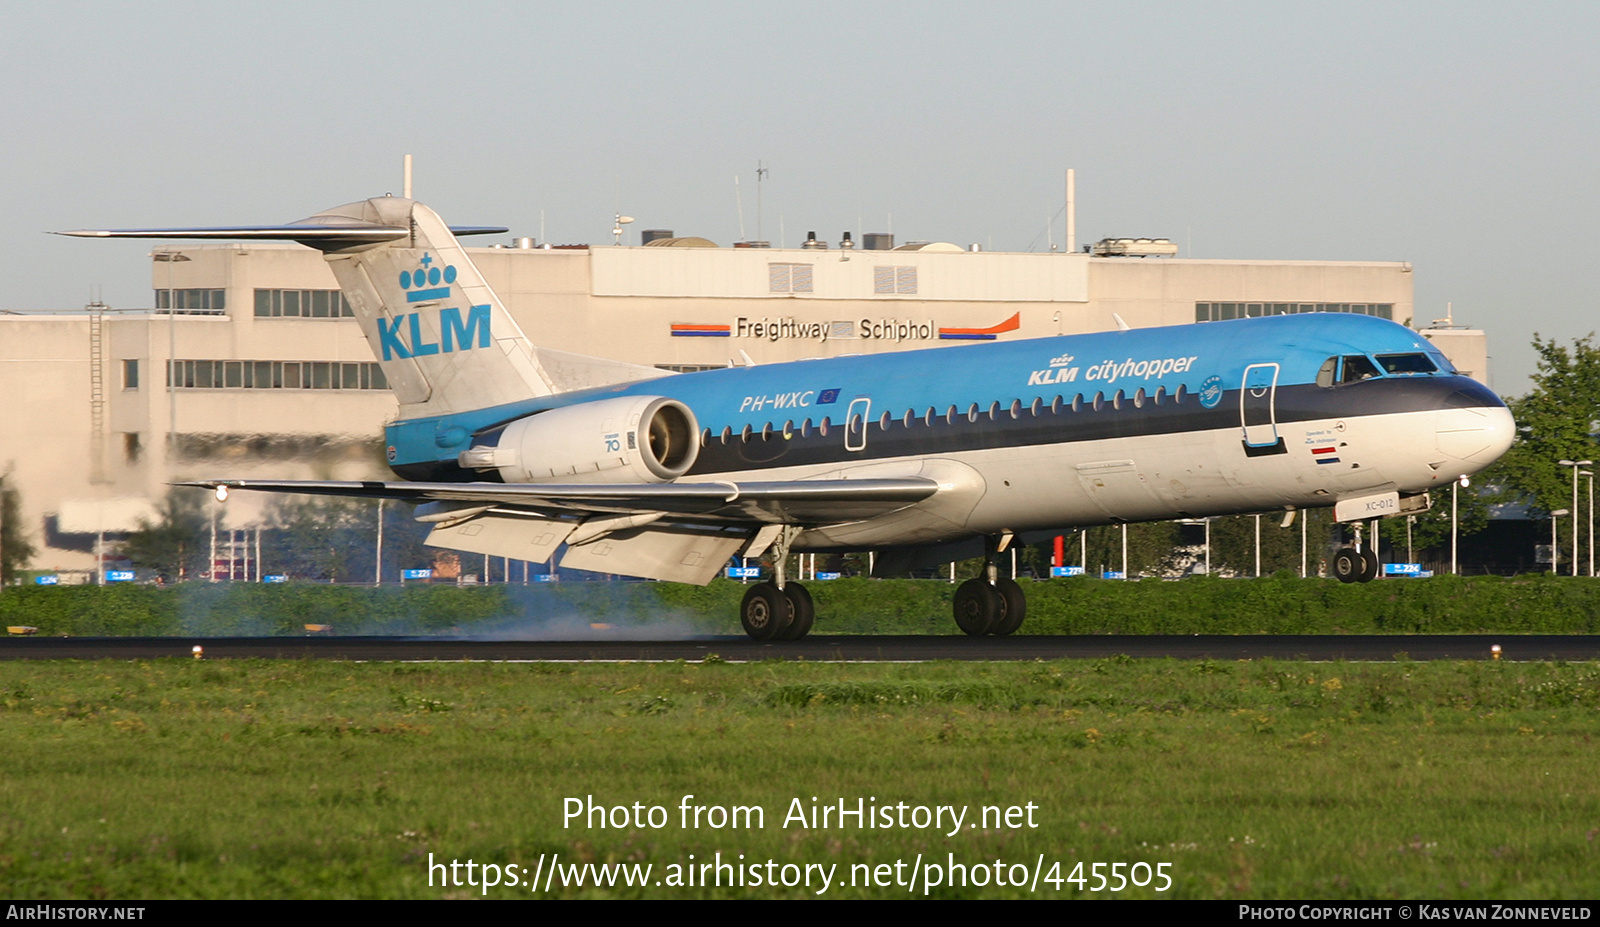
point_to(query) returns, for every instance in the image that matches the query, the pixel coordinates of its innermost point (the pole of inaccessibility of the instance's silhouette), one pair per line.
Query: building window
(894, 280)
(789, 278)
(302, 304)
(130, 374)
(232, 374)
(209, 302)
(1217, 312)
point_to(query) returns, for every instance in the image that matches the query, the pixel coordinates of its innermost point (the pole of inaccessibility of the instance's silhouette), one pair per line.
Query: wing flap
(671, 553)
(517, 537)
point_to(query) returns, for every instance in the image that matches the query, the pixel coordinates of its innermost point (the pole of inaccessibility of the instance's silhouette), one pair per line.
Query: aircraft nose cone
(1474, 437)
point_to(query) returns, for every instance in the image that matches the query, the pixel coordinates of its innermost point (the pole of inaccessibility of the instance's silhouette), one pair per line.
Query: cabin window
(705, 437)
(1138, 398)
(1099, 401)
(788, 429)
(1161, 393)
(1037, 407)
(1407, 365)
(1016, 408)
(883, 422)
(822, 426)
(766, 432)
(1116, 401)
(972, 412)
(950, 416)
(927, 417)
(1056, 403)
(745, 434)
(1077, 403)
(727, 433)
(1178, 394)
(910, 416)
(994, 410)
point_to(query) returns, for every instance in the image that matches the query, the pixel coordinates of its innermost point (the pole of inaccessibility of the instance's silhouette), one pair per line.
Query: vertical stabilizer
(444, 339)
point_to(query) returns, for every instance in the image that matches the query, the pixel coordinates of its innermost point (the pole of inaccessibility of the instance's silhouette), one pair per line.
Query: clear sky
(1458, 136)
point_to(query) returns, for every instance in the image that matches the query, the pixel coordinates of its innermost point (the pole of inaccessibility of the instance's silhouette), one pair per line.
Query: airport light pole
(1258, 545)
(1590, 475)
(1460, 483)
(1555, 553)
(1303, 518)
(1575, 464)
(169, 258)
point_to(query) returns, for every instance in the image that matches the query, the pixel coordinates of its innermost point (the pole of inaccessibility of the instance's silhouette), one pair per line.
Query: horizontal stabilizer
(319, 232)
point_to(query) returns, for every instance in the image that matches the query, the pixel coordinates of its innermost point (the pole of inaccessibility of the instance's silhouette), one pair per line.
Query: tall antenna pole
(761, 174)
(1072, 211)
(738, 202)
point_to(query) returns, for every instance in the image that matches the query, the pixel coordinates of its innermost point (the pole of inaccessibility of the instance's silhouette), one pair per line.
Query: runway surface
(821, 648)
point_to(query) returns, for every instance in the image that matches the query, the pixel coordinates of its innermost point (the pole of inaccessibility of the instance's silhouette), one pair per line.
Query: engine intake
(631, 439)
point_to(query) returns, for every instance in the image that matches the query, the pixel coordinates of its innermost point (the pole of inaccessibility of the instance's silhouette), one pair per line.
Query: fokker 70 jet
(513, 450)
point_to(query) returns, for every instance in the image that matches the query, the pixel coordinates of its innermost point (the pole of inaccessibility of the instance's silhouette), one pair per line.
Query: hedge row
(1536, 604)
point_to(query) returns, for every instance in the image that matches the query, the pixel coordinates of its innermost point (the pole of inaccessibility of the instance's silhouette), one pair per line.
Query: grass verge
(179, 779)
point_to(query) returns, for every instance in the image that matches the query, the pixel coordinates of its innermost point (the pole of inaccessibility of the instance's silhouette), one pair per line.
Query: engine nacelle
(631, 439)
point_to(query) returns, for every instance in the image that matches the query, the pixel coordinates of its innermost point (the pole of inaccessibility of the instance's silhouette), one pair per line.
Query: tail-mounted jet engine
(632, 439)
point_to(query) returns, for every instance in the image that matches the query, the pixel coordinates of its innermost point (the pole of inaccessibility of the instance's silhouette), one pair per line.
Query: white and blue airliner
(518, 451)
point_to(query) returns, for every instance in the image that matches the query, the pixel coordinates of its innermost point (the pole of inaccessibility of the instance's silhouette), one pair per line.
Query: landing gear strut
(990, 604)
(1356, 564)
(780, 610)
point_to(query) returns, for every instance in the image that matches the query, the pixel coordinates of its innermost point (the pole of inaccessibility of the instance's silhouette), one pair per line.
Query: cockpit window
(1407, 365)
(1329, 371)
(1357, 367)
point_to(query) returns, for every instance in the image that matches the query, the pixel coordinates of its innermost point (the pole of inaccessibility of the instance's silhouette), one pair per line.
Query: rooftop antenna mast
(761, 174)
(738, 202)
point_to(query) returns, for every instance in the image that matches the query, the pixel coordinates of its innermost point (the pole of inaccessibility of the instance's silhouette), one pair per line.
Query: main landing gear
(780, 610)
(990, 604)
(771, 613)
(1356, 564)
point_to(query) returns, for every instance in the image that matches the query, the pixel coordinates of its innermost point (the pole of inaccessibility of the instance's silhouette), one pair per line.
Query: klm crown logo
(454, 333)
(422, 284)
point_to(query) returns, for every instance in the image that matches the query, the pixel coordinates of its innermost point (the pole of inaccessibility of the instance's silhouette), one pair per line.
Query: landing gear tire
(1369, 566)
(1348, 565)
(766, 612)
(804, 612)
(979, 607)
(1016, 607)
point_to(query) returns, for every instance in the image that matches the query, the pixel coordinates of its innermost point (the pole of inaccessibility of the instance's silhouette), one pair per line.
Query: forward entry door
(1258, 413)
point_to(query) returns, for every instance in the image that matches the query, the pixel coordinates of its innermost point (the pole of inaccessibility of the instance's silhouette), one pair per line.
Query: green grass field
(1535, 604)
(1256, 780)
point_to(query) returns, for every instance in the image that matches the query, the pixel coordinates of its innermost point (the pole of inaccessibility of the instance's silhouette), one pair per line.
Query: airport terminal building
(250, 365)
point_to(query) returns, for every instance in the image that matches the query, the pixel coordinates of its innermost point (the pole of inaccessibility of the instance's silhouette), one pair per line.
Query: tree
(320, 538)
(15, 550)
(1431, 530)
(177, 546)
(1556, 421)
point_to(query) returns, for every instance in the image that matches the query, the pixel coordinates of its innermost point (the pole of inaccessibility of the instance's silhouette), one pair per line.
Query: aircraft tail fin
(445, 341)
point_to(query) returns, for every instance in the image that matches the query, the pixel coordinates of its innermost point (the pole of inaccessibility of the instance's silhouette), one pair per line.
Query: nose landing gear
(1356, 564)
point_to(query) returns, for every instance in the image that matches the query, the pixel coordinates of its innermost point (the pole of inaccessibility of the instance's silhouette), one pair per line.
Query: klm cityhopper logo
(404, 338)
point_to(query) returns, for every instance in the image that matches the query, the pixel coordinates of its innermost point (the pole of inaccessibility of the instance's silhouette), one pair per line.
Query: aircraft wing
(795, 502)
